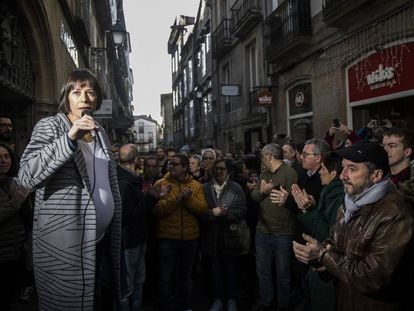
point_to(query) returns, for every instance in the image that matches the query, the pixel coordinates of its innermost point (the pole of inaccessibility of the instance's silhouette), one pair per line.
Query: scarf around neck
(218, 189)
(370, 195)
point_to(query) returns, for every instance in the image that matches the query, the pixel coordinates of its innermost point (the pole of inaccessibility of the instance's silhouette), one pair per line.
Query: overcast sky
(148, 22)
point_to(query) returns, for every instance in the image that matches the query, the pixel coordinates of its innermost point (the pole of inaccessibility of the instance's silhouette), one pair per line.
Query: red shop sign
(382, 75)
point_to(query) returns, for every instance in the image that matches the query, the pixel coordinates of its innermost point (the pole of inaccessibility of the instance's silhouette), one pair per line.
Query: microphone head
(87, 112)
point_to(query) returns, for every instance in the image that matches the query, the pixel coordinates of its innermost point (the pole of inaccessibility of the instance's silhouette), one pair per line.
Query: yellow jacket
(179, 220)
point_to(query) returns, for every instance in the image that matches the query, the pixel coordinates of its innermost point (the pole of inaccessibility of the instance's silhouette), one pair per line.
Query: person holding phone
(339, 135)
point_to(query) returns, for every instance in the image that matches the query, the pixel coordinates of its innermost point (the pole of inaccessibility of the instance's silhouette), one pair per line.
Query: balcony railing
(245, 14)
(287, 27)
(334, 10)
(98, 65)
(221, 39)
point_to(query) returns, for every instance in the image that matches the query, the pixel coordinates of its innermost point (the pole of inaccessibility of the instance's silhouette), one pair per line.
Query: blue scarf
(370, 195)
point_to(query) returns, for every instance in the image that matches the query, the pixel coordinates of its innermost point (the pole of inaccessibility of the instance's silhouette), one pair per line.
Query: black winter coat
(135, 208)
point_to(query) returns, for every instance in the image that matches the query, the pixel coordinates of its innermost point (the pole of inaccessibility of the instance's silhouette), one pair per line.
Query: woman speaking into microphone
(77, 216)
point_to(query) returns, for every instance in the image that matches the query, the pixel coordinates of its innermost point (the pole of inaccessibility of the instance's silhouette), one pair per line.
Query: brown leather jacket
(371, 255)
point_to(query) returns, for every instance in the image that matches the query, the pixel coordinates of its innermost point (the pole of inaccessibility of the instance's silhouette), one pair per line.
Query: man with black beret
(370, 248)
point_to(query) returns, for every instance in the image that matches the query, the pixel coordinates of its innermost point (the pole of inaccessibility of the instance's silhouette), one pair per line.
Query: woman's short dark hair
(85, 77)
(14, 165)
(333, 162)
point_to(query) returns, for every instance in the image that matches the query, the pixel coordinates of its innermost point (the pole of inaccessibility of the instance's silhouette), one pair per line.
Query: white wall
(148, 127)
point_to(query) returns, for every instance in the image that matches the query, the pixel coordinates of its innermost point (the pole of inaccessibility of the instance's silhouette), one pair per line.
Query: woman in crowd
(226, 212)
(317, 220)
(14, 205)
(77, 217)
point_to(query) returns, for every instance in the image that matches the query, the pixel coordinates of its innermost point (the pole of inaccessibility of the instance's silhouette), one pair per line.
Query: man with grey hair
(309, 185)
(370, 249)
(312, 156)
(275, 228)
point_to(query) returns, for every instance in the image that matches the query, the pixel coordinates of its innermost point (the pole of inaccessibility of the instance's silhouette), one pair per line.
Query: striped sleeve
(46, 152)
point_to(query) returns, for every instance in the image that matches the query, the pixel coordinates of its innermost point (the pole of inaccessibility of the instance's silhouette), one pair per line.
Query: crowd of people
(325, 223)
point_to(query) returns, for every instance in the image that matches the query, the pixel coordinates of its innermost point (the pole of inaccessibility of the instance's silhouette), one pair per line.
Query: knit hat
(185, 148)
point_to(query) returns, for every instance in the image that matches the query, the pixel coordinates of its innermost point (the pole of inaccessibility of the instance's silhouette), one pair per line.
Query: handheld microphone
(89, 112)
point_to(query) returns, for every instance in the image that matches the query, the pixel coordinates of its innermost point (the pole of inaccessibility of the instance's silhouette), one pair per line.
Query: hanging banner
(264, 99)
(383, 75)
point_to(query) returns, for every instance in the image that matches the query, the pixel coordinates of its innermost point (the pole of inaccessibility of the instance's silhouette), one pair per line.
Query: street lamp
(199, 92)
(118, 33)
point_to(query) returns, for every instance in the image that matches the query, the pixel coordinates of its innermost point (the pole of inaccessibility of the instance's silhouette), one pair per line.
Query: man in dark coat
(134, 222)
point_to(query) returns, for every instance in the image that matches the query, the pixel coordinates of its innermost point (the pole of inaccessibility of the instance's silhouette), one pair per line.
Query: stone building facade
(42, 41)
(290, 67)
(328, 58)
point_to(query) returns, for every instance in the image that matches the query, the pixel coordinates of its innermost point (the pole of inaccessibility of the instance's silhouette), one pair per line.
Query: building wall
(144, 142)
(41, 60)
(333, 47)
(167, 116)
(240, 128)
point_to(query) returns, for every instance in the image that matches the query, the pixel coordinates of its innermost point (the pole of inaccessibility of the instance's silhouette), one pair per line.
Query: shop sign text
(384, 73)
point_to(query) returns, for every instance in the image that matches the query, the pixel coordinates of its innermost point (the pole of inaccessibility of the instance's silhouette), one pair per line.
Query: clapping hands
(159, 191)
(185, 194)
(303, 200)
(279, 196)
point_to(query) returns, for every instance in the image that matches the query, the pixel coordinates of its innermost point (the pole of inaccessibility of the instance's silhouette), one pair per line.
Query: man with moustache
(370, 247)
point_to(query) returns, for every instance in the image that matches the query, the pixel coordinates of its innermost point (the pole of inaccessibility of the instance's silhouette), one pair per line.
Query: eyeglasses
(305, 154)
(220, 168)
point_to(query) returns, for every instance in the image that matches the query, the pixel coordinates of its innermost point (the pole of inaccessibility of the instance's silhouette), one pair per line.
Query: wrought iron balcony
(335, 10)
(287, 27)
(221, 39)
(98, 65)
(245, 14)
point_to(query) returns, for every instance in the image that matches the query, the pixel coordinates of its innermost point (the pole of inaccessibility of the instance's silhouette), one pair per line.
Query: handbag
(236, 238)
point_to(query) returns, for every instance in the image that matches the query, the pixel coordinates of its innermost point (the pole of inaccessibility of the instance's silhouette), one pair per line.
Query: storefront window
(301, 129)
(300, 113)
